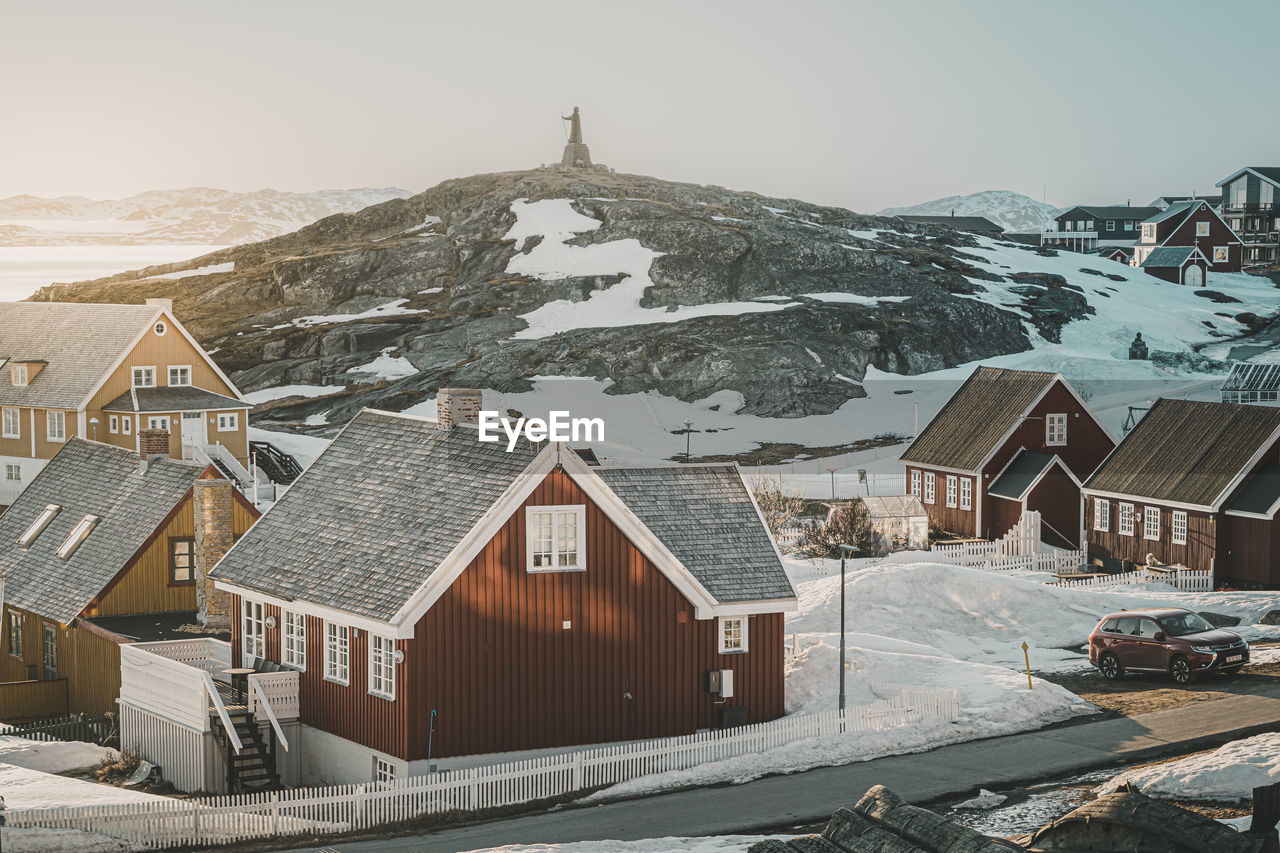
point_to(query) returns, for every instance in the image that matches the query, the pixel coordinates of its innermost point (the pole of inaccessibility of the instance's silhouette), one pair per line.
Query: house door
(192, 433)
(1194, 276)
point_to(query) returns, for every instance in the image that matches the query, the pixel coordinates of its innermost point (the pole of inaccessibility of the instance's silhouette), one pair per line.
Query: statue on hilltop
(576, 155)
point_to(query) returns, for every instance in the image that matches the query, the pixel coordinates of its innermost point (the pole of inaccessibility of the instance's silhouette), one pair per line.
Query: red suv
(1170, 640)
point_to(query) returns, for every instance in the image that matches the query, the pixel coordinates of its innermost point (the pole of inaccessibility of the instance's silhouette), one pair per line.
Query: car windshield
(1185, 623)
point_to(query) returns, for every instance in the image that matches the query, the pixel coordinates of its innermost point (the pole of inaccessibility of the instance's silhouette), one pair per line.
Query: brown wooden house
(1185, 225)
(443, 597)
(1195, 484)
(104, 548)
(1007, 441)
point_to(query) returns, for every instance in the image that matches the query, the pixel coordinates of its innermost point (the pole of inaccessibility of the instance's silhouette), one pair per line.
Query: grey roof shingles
(86, 478)
(1179, 208)
(1019, 474)
(173, 398)
(391, 497)
(1168, 256)
(1113, 211)
(78, 341)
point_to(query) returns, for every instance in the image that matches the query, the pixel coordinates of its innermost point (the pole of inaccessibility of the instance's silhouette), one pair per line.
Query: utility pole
(832, 472)
(845, 551)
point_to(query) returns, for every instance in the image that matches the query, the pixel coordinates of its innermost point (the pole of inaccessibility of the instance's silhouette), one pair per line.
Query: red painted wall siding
(1219, 235)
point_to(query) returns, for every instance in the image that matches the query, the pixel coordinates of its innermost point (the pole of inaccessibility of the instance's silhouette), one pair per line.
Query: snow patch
(386, 366)
(266, 395)
(1229, 773)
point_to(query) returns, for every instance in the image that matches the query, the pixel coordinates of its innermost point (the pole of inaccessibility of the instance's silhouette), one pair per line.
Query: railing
(284, 687)
(30, 700)
(174, 679)
(280, 466)
(221, 709)
(312, 811)
(1185, 580)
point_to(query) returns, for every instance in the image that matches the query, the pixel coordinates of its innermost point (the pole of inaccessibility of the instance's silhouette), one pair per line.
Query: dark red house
(1185, 225)
(443, 597)
(1007, 441)
(1195, 484)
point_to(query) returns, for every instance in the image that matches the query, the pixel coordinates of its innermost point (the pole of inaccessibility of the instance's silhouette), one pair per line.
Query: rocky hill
(1012, 211)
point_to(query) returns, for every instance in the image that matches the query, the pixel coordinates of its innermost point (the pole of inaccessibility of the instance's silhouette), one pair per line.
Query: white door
(1194, 276)
(192, 433)
(253, 637)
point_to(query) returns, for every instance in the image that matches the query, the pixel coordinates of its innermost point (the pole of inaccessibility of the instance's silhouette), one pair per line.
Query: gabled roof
(1171, 256)
(393, 507)
(173, 398)
(130, 498)
(1188, 452)
(1247, 376)
(978, 417)
(1267, 173)
(978, 224)
(1260, 495)
(1181, 208)
(1021, 474)
(1108, 251)
(1113, 211)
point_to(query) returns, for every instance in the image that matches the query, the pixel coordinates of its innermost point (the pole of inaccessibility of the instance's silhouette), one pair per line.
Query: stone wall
(212, 501)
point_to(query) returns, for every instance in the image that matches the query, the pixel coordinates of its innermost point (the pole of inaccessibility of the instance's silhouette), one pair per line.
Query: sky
(858, 104)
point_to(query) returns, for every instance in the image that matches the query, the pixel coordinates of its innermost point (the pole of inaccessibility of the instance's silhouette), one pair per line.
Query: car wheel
(1180, 670)
(1109, 666)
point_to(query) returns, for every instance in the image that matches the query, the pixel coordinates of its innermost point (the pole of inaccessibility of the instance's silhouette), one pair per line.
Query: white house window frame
(732, 634)
(1125, 525)
(1101, 515)
(12, 423)
(382, 667)
(1055, 429)
(1202, 229)
(18, 375)
(953, 491)
(13, 472)
(337, 653)
(160, 328)
(1178, 527)
(384, 772)
(228, 421)
(537, 543)
(145, 372)
(1151, 522)
(160, 422)
(113, 424)
(33, 531)
(966, 493)
(930, 487)
(253, 629)
(55, 425)
(915, 483)
(178, 370)
(15, 634)
(49, 651)
(293, 640)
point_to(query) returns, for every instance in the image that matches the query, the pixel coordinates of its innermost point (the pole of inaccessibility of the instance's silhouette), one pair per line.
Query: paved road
(812, 796)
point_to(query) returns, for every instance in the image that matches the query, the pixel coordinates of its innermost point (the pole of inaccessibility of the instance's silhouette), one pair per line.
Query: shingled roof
(1170, 256)
(379, 511)
(131, 499)
(1187, 451)
(1022, 472)
(977, 417)
(172, 398)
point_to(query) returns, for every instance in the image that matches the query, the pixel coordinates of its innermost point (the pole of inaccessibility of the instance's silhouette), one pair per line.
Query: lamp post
(93, 422)
(688, 431)
(845, 552)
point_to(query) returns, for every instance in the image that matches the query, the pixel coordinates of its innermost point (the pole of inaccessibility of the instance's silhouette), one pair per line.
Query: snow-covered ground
(386, 366)
(304, 448)
(51, 756)
(711, 844)
(266, 395)
(1228, 773)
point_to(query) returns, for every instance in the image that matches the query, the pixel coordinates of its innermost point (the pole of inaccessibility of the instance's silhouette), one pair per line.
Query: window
(126, 425)
(733, 634)
(294, 641)
(382, 666)
(76, 536)
(50, 653)
(1067, 225)
(966, 493)
(952, 490)
(253, 637)
(1101, 515)
(1150, 522)
(337, 653)
(1221, 254)
(37, 527)
(12, 423)
(1055, 430)
(180, 375)
(915, 483)
(384, 772)
(15, 633)
(1126, 519)
(228, 421)
(552, 538)
(1202, 229)
(1178, 528)
(1086, 225)
(929, 486)
(160, 328)
(12, 472)
(182, 560)
(1148, 233)
(18, 374)
(1111, 225)
(113, 424)
(144, 377)
(160, 422)
(56, 426)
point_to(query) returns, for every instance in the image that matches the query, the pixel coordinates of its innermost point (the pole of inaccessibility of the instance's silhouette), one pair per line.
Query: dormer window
(180, 375)
(37, 527)
(18, 375)
(553, 539)
(144, 377)
(76, 536)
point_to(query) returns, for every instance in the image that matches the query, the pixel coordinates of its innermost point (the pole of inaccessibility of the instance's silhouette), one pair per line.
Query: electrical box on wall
(720, 682)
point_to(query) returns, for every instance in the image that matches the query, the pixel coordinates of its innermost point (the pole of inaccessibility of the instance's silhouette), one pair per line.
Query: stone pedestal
(576, 156)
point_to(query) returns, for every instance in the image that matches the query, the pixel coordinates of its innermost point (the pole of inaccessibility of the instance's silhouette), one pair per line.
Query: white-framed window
(18, 374)
(13, 472)
(144, 377)
(228, 421)
(1111, 225)
(1101, 514)
(1150, 522)
(160, 328)
(12, 423)
(15, 633)
(56, 426)
(733, 634)
(1068, 225)
(953, 490)
(77, 535)
(180, 374)
(384, 772)
(966, 493)
(554, 538)
(1178, 527)
(1202, 229)
(382, 666)
(1126, 520)
(126, 425)
(37, 527)
(929, 487)
(253, 636)
(293, 641)
(160, 422)
(337, 653)
(915, 483)
(113, 424)
(49, 655)
(1148, 233)
(1055, 430)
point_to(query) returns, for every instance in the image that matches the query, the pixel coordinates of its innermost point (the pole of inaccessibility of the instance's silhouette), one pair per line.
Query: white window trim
(1150, 513)
(290, 657)
(1049, 422)
(37, 527)
(1203, 229)
(152, 419)
(231, 424)
(580, 510)
(930, 487)
(966, 493)
(126, 424)
(1178, 522)
(253, 613)
(15, 628)
(174, 367)
(953, 491)
(16, 370)
(113, 424)
(722, 623)
(16, 415)
(133, 374)
(1124, 514)
(77, 535)
(160, 328)
(330, 661)
(389, 666)
(915, 483)
(384, 772)
(12, 472)
(50, 418)
(1101, 515)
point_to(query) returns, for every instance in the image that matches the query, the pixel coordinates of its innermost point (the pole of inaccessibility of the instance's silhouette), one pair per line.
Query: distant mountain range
(199, 215)
(1013, 211)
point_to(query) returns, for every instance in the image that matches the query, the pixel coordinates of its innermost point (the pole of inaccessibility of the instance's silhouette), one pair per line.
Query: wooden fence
(32, 700)
(314, 811)
(90, 728)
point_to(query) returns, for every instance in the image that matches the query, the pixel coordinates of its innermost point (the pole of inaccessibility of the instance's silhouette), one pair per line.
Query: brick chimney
(212, 503)
(153, 443)
(458, 406)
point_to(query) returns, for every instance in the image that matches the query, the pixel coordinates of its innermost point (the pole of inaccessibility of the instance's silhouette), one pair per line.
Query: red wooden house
(442, 597)
(1007, 441)
(1194, 239)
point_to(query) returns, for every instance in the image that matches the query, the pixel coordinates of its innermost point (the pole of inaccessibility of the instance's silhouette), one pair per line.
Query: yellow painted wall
(144, 586)
(90, 663)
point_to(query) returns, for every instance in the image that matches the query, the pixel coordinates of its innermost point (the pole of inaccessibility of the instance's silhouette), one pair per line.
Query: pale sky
(858, 104)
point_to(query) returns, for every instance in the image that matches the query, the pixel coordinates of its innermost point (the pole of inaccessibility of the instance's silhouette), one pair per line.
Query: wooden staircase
(253, 768)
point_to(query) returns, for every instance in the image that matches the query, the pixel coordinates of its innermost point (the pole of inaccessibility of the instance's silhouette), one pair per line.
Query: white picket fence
(1022, 539)
(343, 808)
(1185, 580)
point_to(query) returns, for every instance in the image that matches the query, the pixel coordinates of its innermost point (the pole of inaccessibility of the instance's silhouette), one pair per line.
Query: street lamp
(93, 422)
(845, 552)
(832, 472)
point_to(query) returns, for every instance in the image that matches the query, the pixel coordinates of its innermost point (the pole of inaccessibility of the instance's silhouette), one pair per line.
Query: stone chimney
(213, 505)
(458, 406)
(166, 304)
(153, 443)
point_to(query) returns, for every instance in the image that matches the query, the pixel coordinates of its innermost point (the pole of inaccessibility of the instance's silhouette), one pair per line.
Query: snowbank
(1229, 773)
(33, 789)
(714, 844)
(51, 756)
(26, 839)
(266, 395)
